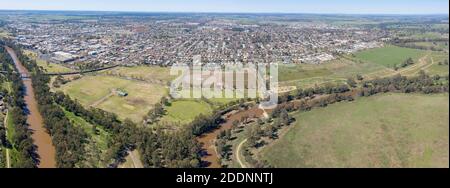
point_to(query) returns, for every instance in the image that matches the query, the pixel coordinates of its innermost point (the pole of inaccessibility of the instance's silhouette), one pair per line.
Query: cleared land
(185, 111)
(436, 68)
(47, 66)
(96, 91)
(335, 71)
(147, 73)
(391, 130)
(389, 56)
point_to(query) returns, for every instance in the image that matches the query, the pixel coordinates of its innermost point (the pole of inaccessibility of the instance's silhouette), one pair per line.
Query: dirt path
(40, 136)
(210, 158)
(103, 99)
(426, 66)
(238, 153)
(5, 123)
(135, 159)
(417, 66)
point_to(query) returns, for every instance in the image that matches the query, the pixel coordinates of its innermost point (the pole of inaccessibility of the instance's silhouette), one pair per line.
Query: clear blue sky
(279, 6)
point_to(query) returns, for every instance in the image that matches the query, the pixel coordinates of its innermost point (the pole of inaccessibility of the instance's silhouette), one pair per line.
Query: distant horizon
(349, 7)
(194, 12)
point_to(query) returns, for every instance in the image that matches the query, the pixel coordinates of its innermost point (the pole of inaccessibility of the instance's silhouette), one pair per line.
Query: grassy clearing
(389, 56)
(390, 130)
(52, 67)
(185, 111)
(147, 73)
(429, 35)
(4, 34)
(13, 153)
(434, 69)
(297, 72)
(98, 91)
(47, 66)
(337, 71)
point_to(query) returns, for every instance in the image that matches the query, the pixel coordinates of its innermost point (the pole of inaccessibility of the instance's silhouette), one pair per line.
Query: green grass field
(389, 56)
(97, 91)
(436, 68)
(184, 111)
(147, 73)
(390, 130)
(297, 72)
(335, 71)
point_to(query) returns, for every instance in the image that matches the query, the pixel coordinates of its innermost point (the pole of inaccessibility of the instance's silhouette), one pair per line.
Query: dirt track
(210, 158)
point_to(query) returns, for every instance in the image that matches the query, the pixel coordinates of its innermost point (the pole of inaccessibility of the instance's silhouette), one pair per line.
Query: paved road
(238, 154)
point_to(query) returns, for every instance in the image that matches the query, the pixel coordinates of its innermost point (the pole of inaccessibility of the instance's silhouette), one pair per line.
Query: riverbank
(41, 138)
(210, 158)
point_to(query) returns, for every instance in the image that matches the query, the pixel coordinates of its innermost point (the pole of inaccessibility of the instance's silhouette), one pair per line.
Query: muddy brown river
(41, 138)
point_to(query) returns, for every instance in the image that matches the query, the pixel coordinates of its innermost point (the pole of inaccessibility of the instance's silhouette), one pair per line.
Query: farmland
(390, 130)
(388, 56)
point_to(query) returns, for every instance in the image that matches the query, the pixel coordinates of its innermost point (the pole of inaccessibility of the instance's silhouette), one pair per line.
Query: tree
(284, 117)
(351, 82)
(359, 77)
(235, 124)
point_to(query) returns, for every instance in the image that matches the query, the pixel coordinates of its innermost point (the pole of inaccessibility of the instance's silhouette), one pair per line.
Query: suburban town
(169, 41)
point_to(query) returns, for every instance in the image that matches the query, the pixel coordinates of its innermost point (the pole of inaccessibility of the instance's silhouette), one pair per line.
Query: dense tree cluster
(123, 134)
(422, 83)
(156, 112)
(178, 149)
(157, 148)
(411, 43)
(68, 140)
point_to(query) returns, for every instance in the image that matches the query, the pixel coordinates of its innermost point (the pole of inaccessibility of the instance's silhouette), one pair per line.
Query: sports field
(98, 91)
(389, 56)
(185, 111)
(389, 130)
